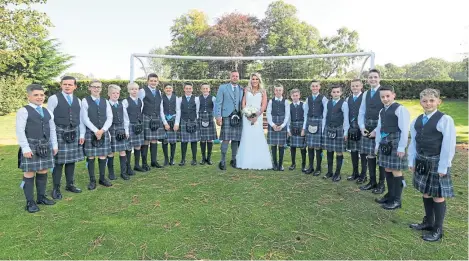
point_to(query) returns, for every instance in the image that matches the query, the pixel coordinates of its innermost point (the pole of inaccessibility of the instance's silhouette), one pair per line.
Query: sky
(102, 34)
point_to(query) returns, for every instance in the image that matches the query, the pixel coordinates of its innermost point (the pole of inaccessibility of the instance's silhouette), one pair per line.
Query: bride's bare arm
(243, 104)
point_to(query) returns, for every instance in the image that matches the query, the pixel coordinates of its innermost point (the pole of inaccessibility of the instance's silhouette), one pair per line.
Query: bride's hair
(261, 83)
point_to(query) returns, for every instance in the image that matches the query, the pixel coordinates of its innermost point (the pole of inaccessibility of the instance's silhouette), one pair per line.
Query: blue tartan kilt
(158, 134)
(134, 139)
(392, 161)
(353, 145)
(368, 145)
(103, 150)
(277, 137)
(207, 133)
(432, 184)
(314, 140)
(68, 152)
(186, 136)
(172, 136)
(118, 145)
(297, 141)
(230, 133)
(338, 143)
(36, 163)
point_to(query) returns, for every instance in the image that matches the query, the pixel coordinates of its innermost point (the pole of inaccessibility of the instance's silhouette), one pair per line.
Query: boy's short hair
(168, 85)
(278, 85)
(296, 90)
(132, 85)
(95, 81)
(430, 92)
(34, 87)
(357, 80)
(375, 71)
(152, 75)
(234, 71)
(188, 83)
(113, 87)
(314, 80)
(386, 88)
(205, 83)
(336, 87)
(65, 78)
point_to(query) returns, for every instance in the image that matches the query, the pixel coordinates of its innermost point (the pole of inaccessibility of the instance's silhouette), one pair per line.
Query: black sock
(123, 164)
(70, 173)
(303, 157)
(41, 181)
(364, 163)
(293, 155)
(428, 205)
(173, 150)
(224, 149)
(234, 149)
(102, 168)
(382, 174)
(110, 165)
(398, 188)
(57, 174)
(128, 154)
(440, 211)
(154, 152)
(183, 150)
(281, 152)
(354, 155)
(165, 151)
(203, 146)
(318, 159)
(91, 169)
(389, 181)
(137, 157)
(144, 154)
(209, 149)
(372, 169)
(194, 150)
(28, 188)
(330, 161)
(340, 160)
(311, 157)
(274, 154)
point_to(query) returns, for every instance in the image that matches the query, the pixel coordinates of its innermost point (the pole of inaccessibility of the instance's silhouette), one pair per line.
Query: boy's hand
(55, 151)
(166, 126)
(289, 134)
(401, 154)
(219, 120)
(364, 134)
(28, 155)
(372, 134)
(302, 133)
(82, 140)
(345, 138)
(176, 127)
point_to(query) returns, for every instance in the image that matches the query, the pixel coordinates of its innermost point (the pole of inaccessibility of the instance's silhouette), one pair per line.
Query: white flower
(250, 112)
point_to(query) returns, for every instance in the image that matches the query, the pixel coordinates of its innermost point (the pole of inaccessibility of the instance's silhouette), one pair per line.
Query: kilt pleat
(37, 163)
(134, 139)
(277, 137)
(297, 141)
(230, 133)
(186, 136)
(118, 145)
(158, 134)
(68, 152)
(433, 184)
(338, 143)
(91, 151)
(207, 133)
(314, 140)
(368, 145)
(392, 161)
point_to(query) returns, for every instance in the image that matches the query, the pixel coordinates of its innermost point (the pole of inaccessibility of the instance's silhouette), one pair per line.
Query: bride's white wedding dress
(253, 151)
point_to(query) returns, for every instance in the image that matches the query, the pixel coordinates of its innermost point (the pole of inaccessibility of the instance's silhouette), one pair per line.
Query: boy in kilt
(189, 106)
(354, 134)
(119, 131)
(35, 130)
(335, 131)
(207, 129)
(367, 121)
(392, 134)
(431, 150)
(294, 129)
(133, 105)
(278, 116)
(70, 132)
(170, 114)
(314, 113)
(152, 124)
(228, 115)
(96, 114)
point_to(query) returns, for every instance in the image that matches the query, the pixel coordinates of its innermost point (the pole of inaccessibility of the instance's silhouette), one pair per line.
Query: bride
(253, 152)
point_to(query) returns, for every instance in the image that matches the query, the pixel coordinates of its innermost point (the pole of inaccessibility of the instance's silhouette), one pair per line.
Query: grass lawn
(203, 213)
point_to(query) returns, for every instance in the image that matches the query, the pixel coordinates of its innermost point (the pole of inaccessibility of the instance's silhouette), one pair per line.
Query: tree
(159, 66)
(432, 68)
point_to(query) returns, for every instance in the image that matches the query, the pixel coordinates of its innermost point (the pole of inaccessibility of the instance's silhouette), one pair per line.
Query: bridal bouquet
(250, 113)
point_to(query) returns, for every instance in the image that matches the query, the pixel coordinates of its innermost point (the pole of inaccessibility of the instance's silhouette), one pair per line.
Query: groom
(228, 115)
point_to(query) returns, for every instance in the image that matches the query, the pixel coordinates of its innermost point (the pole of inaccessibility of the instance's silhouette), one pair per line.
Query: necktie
(40, 111)
(333, 103)
(69, 99)
(136, 102)
(372, 93)
(354, 98)
(115, 105)
(97, 101)
(296, 105)
(188, 98)
(314, 97)
(154, 92)
(425, 119)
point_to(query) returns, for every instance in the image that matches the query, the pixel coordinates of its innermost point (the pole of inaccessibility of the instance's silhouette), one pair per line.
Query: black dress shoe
(362, 180)
(382, 200)
(433, 236)
(105, 183)
(203, 161)
(171, 162)
(130, 171)
(336, 177)
(56, 193)
(209, 161)
(156, 165)
(422, 226)
(233, 163)
(309, 170)
(138, 168)
(292, 167)
(368, 186)
(145, 167)
(274, 167)
(328, 175)
(222, 165)
(112, 176)
(392, 205)
(378, 190)
(182, 163)
(280, 168)
(353, 177)
(31, 207)
(166, 163)
(317, 173)
(73, 189)
(124, 176)
(45, 201)
(92, 185)
(194, 163)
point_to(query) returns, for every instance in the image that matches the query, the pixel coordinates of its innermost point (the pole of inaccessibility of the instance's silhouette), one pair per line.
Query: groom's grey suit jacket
(227, 99)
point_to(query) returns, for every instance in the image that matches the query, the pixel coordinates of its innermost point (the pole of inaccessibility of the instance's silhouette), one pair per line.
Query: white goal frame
(368, 55)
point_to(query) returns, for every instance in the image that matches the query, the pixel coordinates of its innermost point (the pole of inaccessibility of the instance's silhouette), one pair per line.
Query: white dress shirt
(287, 113)
(403, 117)
(86, 119)
(126, 116)
(125, 103)
(21, 120)
(306, 108)
(448, 147)
(362, 111)
(52, 103)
